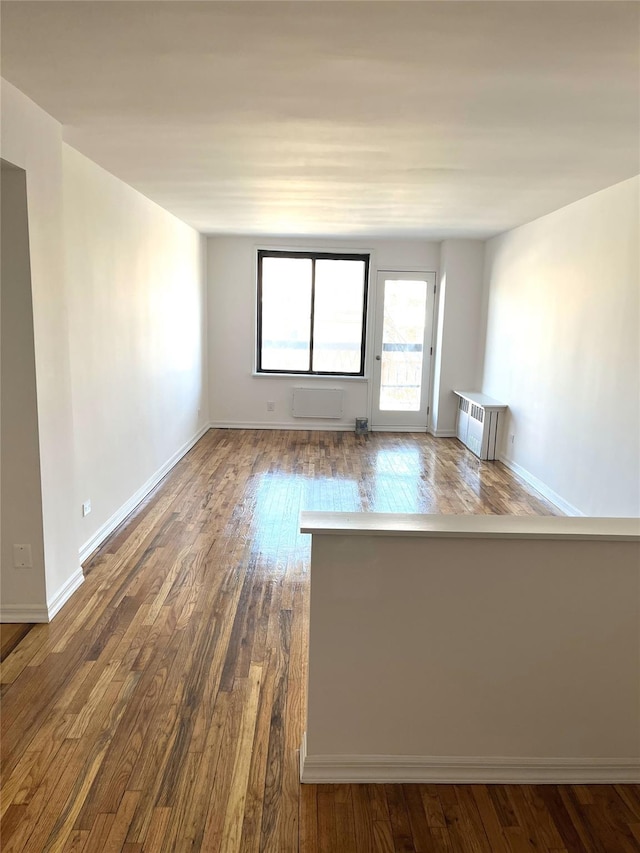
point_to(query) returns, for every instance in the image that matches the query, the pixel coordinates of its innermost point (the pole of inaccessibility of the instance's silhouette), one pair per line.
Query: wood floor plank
(455, 819)
(442, 839)
(24, 781)
(432, 806)
(272, 817)
(383, 837)
(539, 832)
(309, 822)
(489, 818)
(608, 818)
(11, 789)
(399, 819)
(158, 826)
(116, 839)
(76, 842)
(218, 795)
(100, 831)
(27, 705)
(423, 840)
(253, 809)
(327, 830)
(163, 709)
(22, 655)
(363, 818)
(579, 819)
(563, 821)
(234, 814)
(474, 825)
(630, 795)
(17, 836)
(345, 820)
(10, 635)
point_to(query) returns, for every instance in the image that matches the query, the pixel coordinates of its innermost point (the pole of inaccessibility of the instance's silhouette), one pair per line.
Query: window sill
(309, 377)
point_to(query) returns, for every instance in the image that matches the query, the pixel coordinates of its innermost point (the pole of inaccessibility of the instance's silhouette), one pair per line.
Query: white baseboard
(288, 425)
(443, 433)
(120, 514)
(24, 613)
(356, 769)
(558, 501)
(398, 428)
(60, 598)
(299, 424)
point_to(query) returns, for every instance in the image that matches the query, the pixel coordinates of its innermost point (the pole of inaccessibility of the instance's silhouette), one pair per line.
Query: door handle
(378, 357)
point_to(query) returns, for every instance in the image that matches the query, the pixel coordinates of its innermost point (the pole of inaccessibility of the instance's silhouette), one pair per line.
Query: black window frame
(313, 257)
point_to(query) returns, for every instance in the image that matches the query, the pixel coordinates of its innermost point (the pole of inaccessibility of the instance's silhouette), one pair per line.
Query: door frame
(429, 344)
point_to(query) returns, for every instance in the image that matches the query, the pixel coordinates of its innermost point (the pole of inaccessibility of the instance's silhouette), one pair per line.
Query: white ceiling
(353, 119)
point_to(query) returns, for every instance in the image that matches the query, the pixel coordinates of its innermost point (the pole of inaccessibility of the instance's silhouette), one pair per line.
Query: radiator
(316, 403)
(478, 423)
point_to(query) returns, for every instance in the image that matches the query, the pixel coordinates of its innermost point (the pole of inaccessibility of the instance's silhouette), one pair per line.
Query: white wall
(119, 329)
(21, 589)
(137, 326)
(32, 140)
(562, 350)
(238, 398)
(460, 320)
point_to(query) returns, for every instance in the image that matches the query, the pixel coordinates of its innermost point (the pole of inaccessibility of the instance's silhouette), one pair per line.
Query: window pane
(402, 344)
(286, 313)
(337, 332)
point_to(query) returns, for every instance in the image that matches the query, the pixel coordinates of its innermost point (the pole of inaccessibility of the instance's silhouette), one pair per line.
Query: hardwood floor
(10, 635)
(488, 818)
(163, 708)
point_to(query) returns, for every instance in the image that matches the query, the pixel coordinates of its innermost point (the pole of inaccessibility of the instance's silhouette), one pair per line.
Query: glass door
(402, 365)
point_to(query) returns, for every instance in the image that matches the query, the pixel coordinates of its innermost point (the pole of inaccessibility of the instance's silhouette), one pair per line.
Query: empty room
(320, 426)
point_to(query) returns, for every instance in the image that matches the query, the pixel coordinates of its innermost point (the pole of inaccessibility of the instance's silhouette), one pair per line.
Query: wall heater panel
(316, 403)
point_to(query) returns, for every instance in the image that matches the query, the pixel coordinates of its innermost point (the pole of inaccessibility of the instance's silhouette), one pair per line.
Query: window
(312, 309)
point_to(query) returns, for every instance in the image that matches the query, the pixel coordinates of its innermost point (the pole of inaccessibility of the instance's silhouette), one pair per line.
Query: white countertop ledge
(481, 399)
(469, 526)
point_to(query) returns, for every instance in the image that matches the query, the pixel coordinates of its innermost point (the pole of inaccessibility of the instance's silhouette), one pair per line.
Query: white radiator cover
(316, 403)
(479, 422)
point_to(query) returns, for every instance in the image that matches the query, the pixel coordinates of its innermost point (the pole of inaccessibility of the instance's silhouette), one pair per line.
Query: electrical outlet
(86, 508)
(271, 406)
(22, 557)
